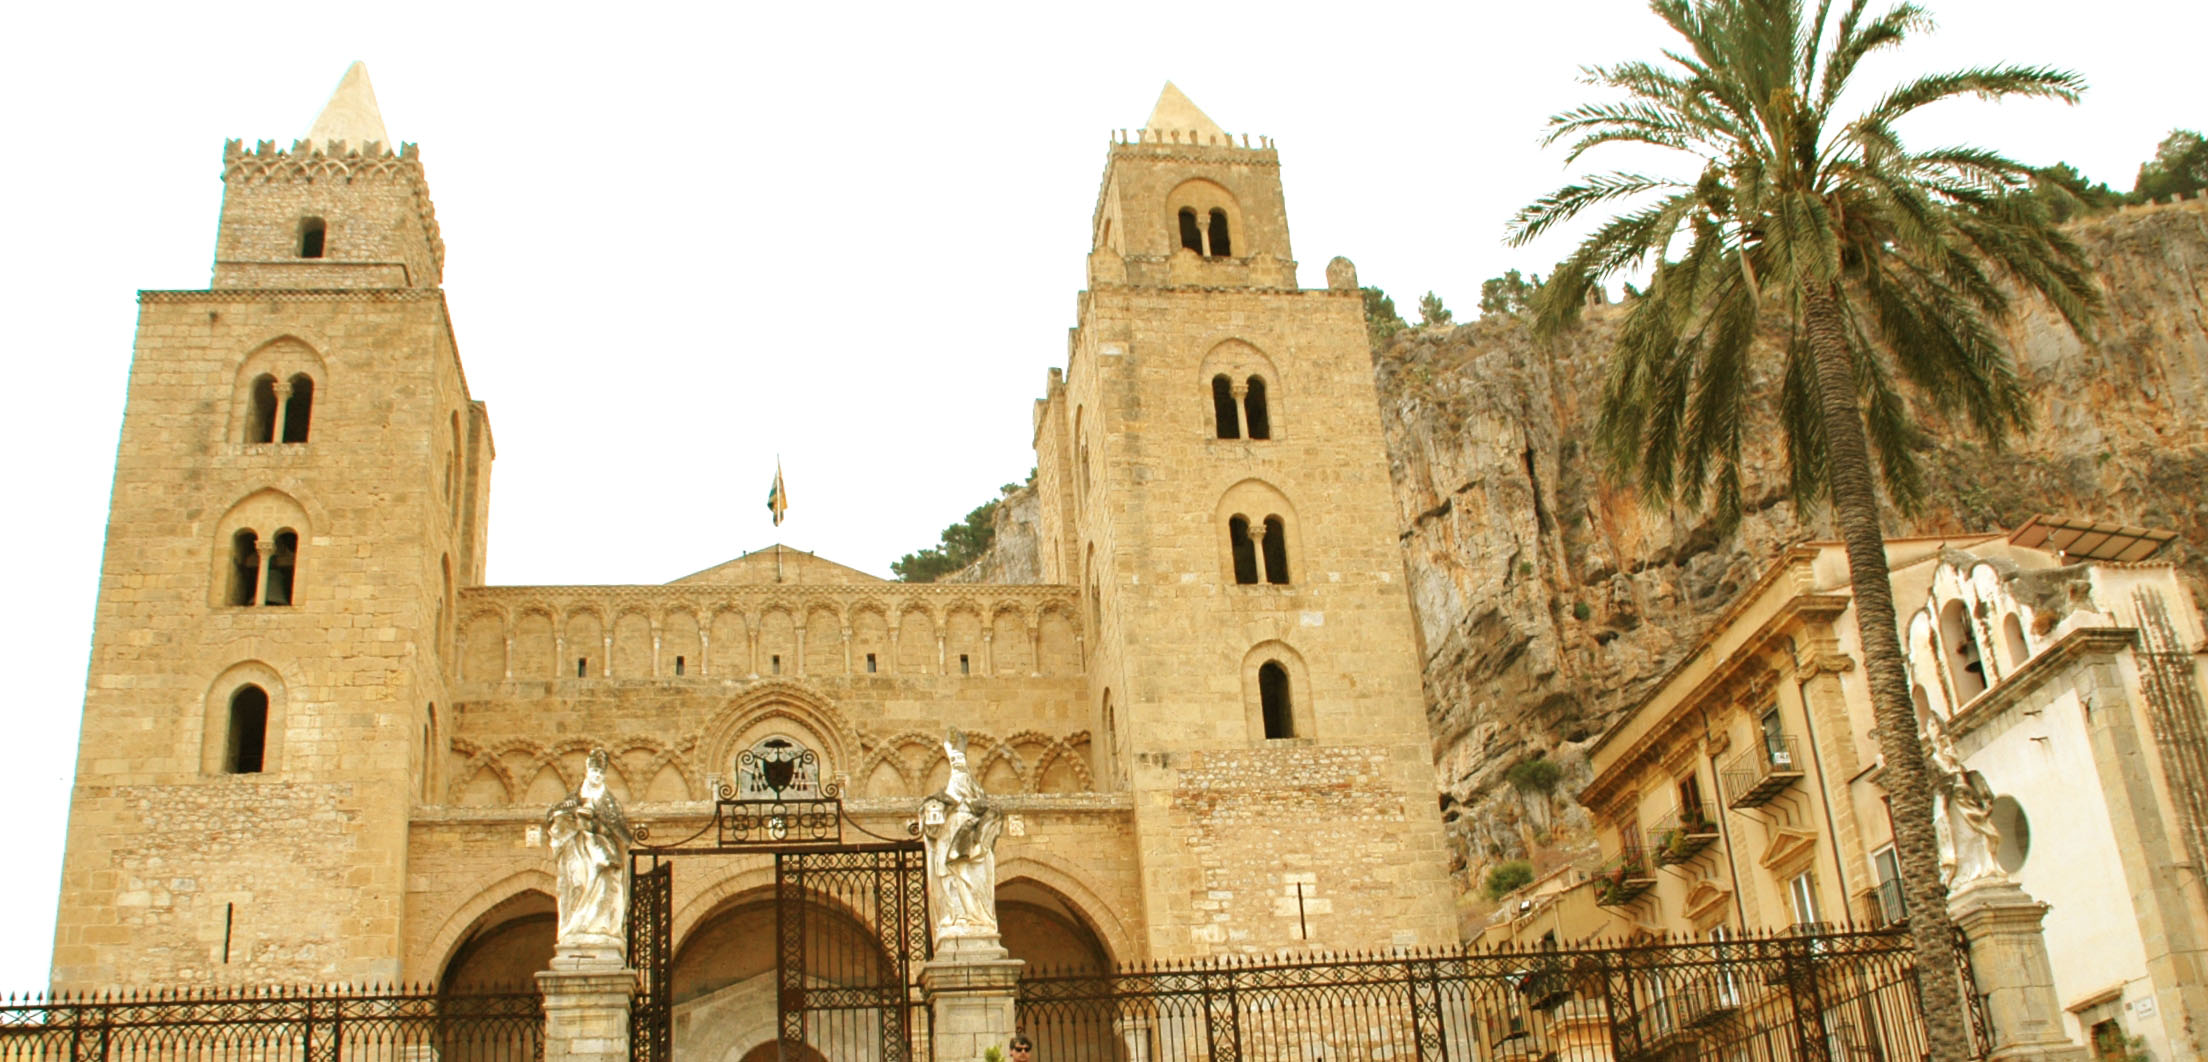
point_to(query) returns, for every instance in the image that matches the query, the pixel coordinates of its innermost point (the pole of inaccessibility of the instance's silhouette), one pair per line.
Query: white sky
(683, 239)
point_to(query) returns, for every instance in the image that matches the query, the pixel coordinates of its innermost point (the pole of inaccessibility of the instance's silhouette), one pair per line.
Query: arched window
(1966, 667)
(2012, 640)
(1276, 550)
(1261, 424)
(1223, 412)
(1192, 235)
(260, 411)
(1245, 551)
(1220, 248)
(312, 231)
(1272, 693)
(248, 735)
(245, 569)
(299, 408)
(283, 565)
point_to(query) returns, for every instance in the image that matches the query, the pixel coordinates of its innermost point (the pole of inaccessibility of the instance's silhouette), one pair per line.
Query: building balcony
(1759, 775)
(1883, 905)
(1625, 877)
(1684, 835)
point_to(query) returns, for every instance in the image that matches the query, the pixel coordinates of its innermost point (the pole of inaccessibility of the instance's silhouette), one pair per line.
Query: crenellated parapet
(360, 166)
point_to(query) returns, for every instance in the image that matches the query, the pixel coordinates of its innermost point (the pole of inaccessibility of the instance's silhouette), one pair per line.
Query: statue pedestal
(970, 985)
(586, 1004)
(2009, 955)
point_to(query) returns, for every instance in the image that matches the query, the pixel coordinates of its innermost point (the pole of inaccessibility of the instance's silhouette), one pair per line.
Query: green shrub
(1580, 611)
(1539, 775)
(1507, 875)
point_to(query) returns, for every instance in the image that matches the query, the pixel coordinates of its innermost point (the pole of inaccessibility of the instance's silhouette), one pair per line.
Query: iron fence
(1810, 997)
(282, 1024)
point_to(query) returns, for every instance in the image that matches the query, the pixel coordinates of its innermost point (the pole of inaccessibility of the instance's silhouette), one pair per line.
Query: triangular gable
(1787, 845)
(779, 564)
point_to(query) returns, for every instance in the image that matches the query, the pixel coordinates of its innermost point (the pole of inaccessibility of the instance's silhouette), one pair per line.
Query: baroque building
(2059, 666)
(318, 748)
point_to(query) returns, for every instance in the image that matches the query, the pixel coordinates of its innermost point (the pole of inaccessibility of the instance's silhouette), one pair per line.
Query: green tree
(962, 543)
(1381, 320)
(1881, 265)
(1431, 312)
(2179, 167)
(2064, 192)
(1509, 293)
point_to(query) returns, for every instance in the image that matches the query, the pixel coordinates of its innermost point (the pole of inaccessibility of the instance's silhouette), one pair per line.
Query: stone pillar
(586, 1007)
(970, 985)
(2009, 956)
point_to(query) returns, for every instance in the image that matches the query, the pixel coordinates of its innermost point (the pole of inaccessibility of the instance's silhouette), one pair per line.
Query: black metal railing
(1883, 905)
(1784, 997)
(1624, 877)
(1759, 774)
(1682, 835)
(275, 1024)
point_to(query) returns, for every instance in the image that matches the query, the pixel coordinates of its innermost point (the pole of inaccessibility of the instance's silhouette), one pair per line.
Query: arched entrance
(1047, 931)
(505, 947)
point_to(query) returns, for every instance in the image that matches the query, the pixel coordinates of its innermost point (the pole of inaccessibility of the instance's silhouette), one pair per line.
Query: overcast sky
(683, 240)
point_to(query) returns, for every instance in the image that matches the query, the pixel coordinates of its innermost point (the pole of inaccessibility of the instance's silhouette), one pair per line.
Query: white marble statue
(1962, 814)
(590, 840)
(961, 828)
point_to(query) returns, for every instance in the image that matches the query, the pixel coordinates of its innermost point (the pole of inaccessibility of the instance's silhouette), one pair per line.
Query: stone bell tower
(299, 492)
(1214, 478)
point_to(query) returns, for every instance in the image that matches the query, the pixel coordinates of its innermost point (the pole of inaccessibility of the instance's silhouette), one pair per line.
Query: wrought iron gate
(851, 925)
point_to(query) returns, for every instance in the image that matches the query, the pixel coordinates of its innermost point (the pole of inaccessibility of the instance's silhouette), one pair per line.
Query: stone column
(586, 1007)
(2009, 956)
(970, 985)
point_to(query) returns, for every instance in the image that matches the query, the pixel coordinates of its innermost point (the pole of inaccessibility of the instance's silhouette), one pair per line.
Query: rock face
(1014, 555)
(1550, 601)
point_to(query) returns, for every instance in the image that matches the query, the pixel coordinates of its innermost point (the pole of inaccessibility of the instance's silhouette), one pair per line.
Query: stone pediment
(1787, 845)
(780, 564)
(1704, 897)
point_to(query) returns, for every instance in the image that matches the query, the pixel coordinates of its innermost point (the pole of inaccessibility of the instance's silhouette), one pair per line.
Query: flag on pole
(778, 500)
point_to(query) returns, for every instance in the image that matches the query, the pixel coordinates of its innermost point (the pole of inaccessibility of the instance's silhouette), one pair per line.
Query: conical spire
(1175, 113)
(351, 115)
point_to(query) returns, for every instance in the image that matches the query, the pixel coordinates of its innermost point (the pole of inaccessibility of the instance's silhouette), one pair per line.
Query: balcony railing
(1685, 1008)
(1687, 833)
(1757, 776)
(1545, 983)
(1883, 905)
(1625, 877)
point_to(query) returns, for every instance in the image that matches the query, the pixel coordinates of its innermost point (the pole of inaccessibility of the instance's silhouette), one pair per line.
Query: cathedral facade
(318, 748)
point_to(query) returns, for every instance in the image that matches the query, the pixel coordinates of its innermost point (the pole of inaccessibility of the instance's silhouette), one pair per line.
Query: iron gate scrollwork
(851, 919)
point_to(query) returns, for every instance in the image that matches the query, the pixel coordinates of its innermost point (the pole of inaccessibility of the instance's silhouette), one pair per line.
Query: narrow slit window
(1192, 236)
(312, 233)
(774, 664)
(678, 667)
(1272, 694)
(582, 667)
(260, 411)
(1220, 247)
(1260, 420)
(870, 663)
(1228, 418)
(245, 568)
(299, 409)
(1276, 550)
(248, 739)
(965, 666)
(283, 567)
(1245, 551)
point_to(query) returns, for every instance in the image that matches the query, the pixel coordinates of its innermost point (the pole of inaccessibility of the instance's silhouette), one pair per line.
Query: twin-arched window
(1206, 236)
(1260, 545)
(1237, 407)
(279, 410)
(262, 573)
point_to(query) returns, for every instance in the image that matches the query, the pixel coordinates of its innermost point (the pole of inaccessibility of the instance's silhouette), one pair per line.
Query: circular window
(2016, 833)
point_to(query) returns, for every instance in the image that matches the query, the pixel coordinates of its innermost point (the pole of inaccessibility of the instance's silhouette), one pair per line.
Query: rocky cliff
(1549, 600)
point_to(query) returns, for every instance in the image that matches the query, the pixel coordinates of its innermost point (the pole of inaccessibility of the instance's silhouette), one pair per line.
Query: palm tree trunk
(1855, 509)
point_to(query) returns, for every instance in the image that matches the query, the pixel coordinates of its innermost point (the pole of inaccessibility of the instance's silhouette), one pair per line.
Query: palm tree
(1879, 266)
